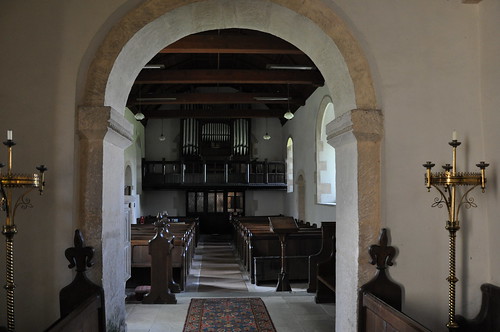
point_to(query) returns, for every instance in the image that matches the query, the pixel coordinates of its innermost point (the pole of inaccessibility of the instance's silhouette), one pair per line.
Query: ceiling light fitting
(154, 66)
(290, 67)
(272, 98)
(266, 136)
(139, 115)
(156, 99)
(288, 115)
(162, 137)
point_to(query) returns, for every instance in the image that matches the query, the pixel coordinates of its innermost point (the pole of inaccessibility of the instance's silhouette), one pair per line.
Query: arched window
(128, 180)
(289, 165)
(325, 156)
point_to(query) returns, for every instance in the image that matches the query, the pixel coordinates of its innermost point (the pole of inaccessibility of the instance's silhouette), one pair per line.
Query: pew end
(488, 318)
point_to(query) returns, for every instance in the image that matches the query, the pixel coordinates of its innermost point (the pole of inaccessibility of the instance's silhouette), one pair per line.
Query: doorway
(215, 209)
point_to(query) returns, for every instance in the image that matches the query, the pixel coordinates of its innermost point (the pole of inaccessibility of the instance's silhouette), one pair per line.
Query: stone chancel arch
(155, 24)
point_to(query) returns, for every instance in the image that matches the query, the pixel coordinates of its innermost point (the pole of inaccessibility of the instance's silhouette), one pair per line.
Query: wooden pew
(488, 318)
(299, 245)
(325, 276)
(380, 298)
(255, 242)
(242, 233)
(84, 318)
(185, 237)
(82, 301)
(327, 249)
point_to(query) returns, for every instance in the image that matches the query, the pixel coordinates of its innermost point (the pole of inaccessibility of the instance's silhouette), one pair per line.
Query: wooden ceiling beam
(235, 44)
(227, 76)
(214, 113)
(217, 98)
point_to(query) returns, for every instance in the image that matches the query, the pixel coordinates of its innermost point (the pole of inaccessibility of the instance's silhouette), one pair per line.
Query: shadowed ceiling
(233, 73)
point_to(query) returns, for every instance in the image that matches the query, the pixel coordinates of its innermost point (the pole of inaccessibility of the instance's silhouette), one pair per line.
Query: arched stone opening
(325, 155)
(156, 23)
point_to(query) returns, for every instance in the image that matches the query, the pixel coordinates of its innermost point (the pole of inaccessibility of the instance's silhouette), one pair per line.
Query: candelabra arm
(464, 200)
(4, 206)
(22, 201)
(446, 200)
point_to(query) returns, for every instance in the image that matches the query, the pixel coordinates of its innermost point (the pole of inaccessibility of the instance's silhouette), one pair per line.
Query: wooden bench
(488, 318)
(185, 235)
(381, 298)
(255, 239)
(327, 252)
(81, 302)
(325, 277)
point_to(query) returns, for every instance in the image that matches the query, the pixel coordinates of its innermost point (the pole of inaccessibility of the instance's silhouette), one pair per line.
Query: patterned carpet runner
(228, 314)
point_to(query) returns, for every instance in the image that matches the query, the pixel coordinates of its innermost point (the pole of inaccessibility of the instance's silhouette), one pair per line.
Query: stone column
(104, 134)
(356, 137)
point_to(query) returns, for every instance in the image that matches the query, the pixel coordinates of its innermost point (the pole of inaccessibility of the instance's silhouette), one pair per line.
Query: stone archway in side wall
(355, 132)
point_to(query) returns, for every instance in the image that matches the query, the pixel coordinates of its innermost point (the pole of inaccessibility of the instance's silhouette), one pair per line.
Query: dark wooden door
(214, 209)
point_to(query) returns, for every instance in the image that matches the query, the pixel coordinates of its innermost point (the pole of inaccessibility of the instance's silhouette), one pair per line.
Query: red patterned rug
(228, 314)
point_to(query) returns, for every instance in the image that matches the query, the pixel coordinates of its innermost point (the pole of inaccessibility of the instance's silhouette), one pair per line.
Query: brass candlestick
(446, 184)
(8, 183)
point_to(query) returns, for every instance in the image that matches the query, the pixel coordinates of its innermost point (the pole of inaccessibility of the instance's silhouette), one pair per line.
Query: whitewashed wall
(490, 99)
(302, 129)
(425, 58)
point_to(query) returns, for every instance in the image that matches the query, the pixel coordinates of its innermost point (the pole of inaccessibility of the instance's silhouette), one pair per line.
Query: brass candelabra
(9, 182)
(446, 183)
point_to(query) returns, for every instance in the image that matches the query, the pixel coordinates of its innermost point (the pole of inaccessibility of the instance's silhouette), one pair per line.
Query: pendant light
(288, 115)
(139, 115)
(162, 137)
(266, 136)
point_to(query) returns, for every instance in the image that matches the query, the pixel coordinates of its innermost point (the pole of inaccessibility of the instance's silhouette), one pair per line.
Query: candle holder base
(283, 283)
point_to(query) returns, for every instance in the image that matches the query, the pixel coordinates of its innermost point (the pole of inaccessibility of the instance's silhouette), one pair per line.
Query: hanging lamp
(139, 115)
(288, 115)
(162, 137)
(266, 135)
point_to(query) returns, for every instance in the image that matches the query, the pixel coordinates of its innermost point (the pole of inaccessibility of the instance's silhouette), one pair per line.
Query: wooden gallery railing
(171, 174)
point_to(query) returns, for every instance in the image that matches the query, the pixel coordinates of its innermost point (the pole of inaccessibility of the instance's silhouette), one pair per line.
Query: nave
(216, 272)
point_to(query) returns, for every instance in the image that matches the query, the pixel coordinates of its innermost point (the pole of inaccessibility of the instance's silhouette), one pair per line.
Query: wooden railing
(173, 174)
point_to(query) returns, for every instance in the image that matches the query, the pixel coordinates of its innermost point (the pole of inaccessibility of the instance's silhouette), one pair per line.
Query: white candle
(454, 135)
(9, 135)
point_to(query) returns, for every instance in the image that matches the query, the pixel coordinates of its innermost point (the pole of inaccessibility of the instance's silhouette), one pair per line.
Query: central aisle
(216, 272)
(220, 269)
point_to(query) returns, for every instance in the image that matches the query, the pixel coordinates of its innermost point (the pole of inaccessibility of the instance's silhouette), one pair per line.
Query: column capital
(94, 122)
(358, 124)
